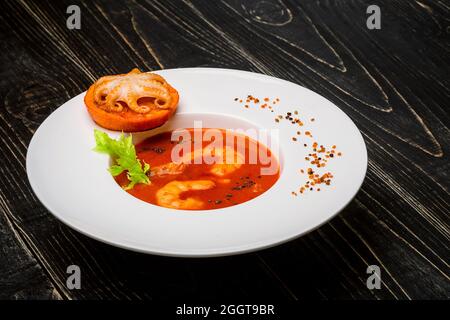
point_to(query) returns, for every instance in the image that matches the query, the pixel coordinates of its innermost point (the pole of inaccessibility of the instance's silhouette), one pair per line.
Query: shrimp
(228, 159)
(169, 195)
(170, 168)
(226, 167)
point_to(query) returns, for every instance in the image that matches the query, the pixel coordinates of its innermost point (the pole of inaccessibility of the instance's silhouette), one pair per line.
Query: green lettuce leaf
(124, 155)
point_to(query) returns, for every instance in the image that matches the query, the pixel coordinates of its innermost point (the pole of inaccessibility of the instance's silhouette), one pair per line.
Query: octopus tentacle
(112, 100)
(133, 105)
(155, 77)
(162, 98)
(112, 93)
(149, 83)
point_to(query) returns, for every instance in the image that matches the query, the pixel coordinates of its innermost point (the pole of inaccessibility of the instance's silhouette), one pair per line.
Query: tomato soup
(197, 182)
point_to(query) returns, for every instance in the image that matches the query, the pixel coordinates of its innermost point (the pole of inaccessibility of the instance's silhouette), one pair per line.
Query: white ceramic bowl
(73, 183)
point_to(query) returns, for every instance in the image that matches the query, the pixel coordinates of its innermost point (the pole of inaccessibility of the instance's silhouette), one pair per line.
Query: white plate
(72, 181)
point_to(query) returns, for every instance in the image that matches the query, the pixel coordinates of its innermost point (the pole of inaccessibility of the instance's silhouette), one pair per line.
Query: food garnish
(123, 153)
(319, 156)
(263, 103)
(136, 101)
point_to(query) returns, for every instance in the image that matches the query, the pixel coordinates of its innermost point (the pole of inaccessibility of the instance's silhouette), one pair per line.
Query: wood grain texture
(392, 82)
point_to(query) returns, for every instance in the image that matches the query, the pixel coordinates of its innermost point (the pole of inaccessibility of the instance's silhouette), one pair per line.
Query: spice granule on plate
(319, 155)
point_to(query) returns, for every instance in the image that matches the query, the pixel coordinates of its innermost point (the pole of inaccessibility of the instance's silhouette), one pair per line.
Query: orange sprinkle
(319, 156)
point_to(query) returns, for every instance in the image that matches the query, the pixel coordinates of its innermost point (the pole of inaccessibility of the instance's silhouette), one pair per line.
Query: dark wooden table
(393, 82)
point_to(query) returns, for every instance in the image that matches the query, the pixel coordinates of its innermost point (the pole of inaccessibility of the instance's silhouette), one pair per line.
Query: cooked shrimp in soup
(200, 184)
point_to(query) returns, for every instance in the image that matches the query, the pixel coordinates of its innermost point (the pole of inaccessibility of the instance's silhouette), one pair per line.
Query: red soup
(193, 171)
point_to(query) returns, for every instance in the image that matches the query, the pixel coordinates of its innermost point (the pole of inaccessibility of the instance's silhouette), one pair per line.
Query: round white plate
(73, 183)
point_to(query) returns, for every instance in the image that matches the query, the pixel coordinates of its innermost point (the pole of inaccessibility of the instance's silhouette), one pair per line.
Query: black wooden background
(393, 82)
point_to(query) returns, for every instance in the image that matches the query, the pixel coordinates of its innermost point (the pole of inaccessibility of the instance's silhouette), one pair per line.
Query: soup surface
(197, 184)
